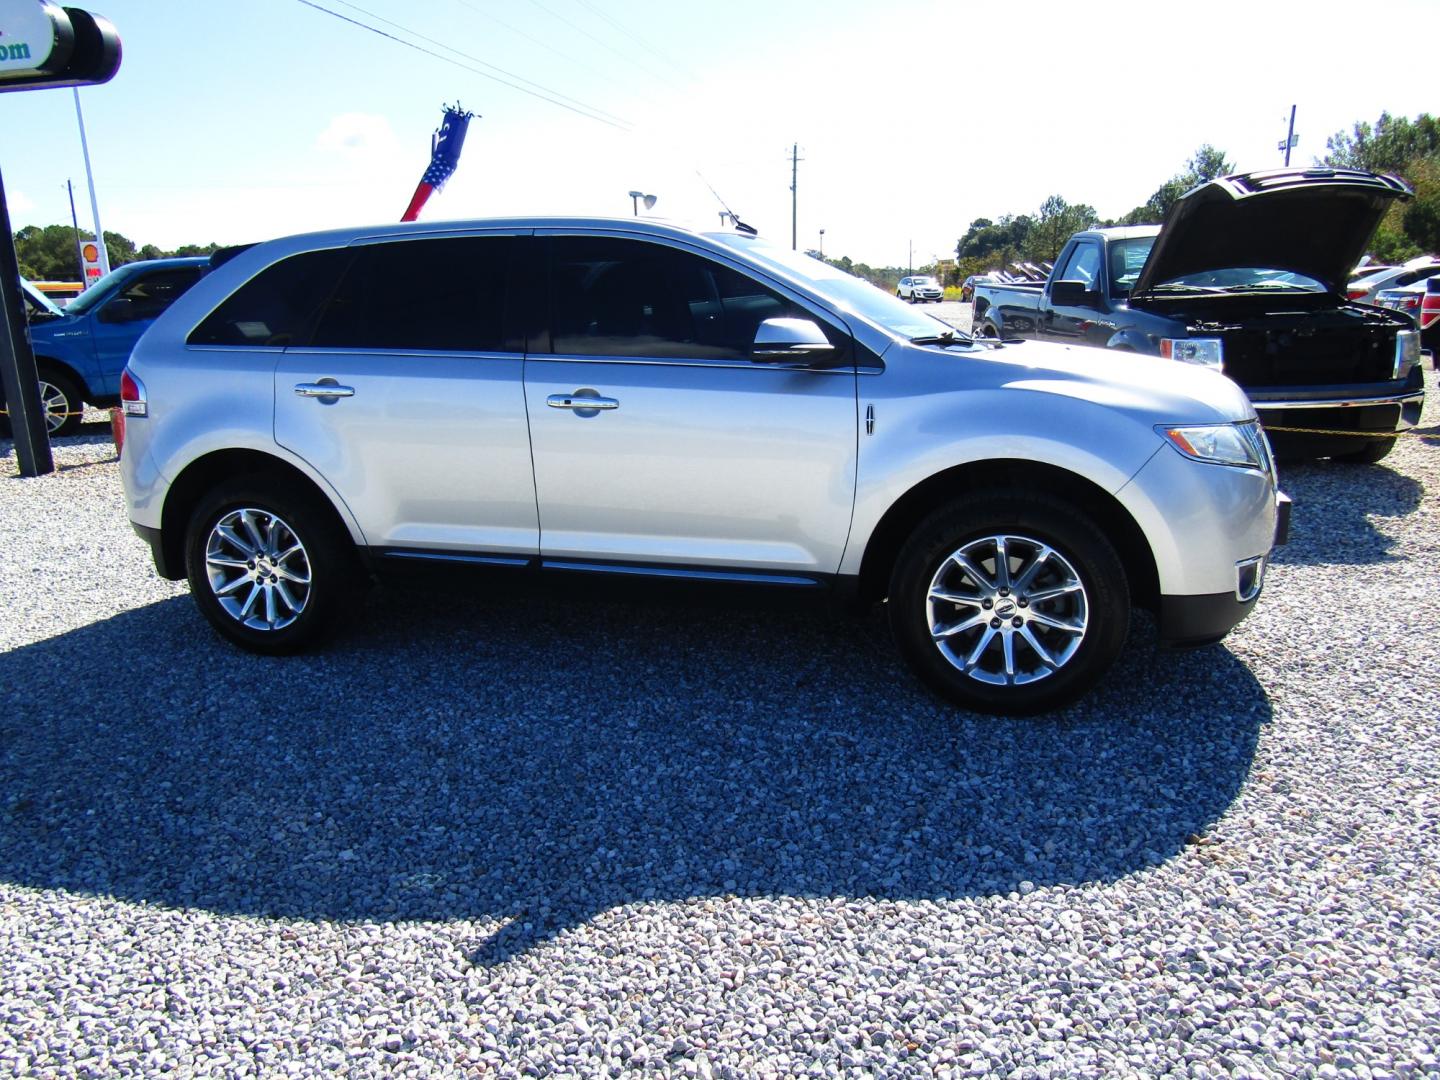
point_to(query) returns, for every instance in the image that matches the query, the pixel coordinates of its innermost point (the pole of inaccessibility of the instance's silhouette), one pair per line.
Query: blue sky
(236, 120)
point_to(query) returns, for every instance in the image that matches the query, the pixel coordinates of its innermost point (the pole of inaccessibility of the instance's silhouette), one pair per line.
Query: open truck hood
(1315, 222)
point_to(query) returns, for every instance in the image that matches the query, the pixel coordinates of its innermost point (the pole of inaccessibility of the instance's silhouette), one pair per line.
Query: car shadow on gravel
(529, 762)
(1336, 510)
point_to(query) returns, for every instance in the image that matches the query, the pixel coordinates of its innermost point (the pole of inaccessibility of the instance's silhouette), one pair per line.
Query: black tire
(988, 330)
(62, 399)
(1374, 451)
(326, 553)
(1029, 523)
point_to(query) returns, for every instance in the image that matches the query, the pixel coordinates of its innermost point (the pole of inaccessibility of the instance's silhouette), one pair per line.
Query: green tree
(1389, 146)
(1056, 222)
(48, 253)
(1204, 165)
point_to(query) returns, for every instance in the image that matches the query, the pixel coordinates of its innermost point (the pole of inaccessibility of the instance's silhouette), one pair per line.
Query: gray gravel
(539, 835)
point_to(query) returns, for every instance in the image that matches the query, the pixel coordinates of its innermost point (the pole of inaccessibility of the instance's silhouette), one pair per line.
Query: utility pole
(795, 160)
(1290, 138)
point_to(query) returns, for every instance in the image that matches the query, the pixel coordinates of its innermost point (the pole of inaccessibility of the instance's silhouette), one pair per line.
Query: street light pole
(822, 243)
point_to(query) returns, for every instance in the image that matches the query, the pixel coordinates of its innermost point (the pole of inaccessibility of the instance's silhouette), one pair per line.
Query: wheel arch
(204, 473)
(45, 360)
(900, 520)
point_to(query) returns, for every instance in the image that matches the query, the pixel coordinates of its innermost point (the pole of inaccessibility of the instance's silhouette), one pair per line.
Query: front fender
(919, 438)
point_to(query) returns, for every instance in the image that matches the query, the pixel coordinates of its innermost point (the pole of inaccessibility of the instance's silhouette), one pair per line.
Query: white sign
(27, 34)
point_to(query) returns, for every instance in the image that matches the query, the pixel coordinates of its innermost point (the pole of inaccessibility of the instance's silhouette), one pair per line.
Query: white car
(919, 288)
(1366, 290)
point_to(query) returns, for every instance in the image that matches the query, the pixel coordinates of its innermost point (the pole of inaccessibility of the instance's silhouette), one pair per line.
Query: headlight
(1407, 352)
(1205, 351)
(1219, 444)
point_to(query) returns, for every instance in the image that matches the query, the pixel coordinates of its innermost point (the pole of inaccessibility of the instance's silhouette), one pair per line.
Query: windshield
(1127, 257)
(101, 290)
(845, 291)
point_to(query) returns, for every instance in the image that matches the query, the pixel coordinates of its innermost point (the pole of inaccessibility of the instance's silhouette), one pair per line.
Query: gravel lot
(524, 835)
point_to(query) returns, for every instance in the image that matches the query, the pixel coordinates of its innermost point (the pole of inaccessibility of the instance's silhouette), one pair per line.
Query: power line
(633, 37)
(580, 108)
(602, 43)
(532, 38)
(459, 52)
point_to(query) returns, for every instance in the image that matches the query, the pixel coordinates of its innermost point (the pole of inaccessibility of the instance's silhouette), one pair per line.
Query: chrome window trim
(350, 350)
(698, 362)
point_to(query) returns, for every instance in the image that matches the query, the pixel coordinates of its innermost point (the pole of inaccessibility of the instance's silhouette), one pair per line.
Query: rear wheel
(269, 570)
(1009, 603)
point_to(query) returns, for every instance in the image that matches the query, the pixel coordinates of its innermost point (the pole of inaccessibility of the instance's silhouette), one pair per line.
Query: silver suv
(594, 397)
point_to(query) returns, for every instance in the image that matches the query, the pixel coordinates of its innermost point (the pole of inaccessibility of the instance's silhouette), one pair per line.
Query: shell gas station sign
(90, 260)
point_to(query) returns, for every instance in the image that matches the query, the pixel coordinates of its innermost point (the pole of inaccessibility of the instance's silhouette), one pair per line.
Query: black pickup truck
(1248, 275)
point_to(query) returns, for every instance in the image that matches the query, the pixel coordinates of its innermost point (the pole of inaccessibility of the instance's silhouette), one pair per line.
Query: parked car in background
(1366, 290)
(81, 350)
(1246, 276)
(1421, 301)
(920, 289)
(967, 288)
(623, 397)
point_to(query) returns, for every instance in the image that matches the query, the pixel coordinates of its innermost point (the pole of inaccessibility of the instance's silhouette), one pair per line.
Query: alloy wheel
(1007, 610)
(258, 569)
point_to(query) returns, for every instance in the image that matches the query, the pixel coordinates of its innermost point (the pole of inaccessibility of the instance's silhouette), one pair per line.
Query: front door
(425, 435)
(1076, 324)
(692, 455)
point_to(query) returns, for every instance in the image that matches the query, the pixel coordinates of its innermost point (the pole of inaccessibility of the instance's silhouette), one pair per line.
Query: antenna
(734, 217)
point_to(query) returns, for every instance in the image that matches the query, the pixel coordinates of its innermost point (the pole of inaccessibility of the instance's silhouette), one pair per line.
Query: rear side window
(620, 297)
(444, 294)
(278, 305)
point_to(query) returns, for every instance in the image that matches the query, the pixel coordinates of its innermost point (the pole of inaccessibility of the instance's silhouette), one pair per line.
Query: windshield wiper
(950, 337)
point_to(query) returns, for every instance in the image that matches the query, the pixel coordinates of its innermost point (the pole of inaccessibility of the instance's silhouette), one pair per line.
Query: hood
(1315, 222)
(37, 303)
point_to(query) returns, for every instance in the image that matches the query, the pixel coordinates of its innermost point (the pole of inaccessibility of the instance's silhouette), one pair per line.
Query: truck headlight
(1407, 352)
(1218, 444)
(1205, 351)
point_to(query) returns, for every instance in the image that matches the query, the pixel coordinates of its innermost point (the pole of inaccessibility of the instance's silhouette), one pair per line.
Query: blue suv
(81, 351)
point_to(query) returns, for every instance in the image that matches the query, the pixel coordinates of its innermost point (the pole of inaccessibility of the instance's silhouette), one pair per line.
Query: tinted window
(614, 297)
(278, 305)
(445, 294)
(150, 294)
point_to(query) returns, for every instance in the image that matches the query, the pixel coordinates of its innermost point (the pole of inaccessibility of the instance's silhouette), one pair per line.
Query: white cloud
(19, 203)
(358, 135)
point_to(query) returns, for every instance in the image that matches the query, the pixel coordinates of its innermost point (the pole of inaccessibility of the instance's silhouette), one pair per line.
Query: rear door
(694, 456)
(425, 436)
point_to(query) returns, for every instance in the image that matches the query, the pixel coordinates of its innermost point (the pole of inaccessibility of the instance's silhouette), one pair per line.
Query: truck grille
(1309, 357)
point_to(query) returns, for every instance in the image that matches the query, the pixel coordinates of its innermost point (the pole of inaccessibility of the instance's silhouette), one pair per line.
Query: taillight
(1357, 294)
(1430, 311)
(132, 395)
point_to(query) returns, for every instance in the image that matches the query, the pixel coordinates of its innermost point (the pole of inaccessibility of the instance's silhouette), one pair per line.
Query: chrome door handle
(576, 401)
(323, 390)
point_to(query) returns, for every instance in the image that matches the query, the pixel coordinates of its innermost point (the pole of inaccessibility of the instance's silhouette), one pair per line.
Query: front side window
(1083, 265)
(620, 297)
(150, 294)
(444, 294)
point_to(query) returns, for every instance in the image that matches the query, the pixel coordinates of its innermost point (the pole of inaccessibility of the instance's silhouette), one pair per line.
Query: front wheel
(1376, 450)
(60, 401)
(1009, 603)
(269, 569)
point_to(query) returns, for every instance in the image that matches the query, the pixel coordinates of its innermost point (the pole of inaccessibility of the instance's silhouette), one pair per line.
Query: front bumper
(1339, 414)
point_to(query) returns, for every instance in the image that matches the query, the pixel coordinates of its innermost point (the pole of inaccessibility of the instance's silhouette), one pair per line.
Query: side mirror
(1072, 294)
(778, 340)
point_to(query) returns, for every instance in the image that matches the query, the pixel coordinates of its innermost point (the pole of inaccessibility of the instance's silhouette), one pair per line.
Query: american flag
(445, 147)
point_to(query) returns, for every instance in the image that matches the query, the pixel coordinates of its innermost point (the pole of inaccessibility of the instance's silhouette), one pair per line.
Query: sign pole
(90, 178)
(18, 376)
